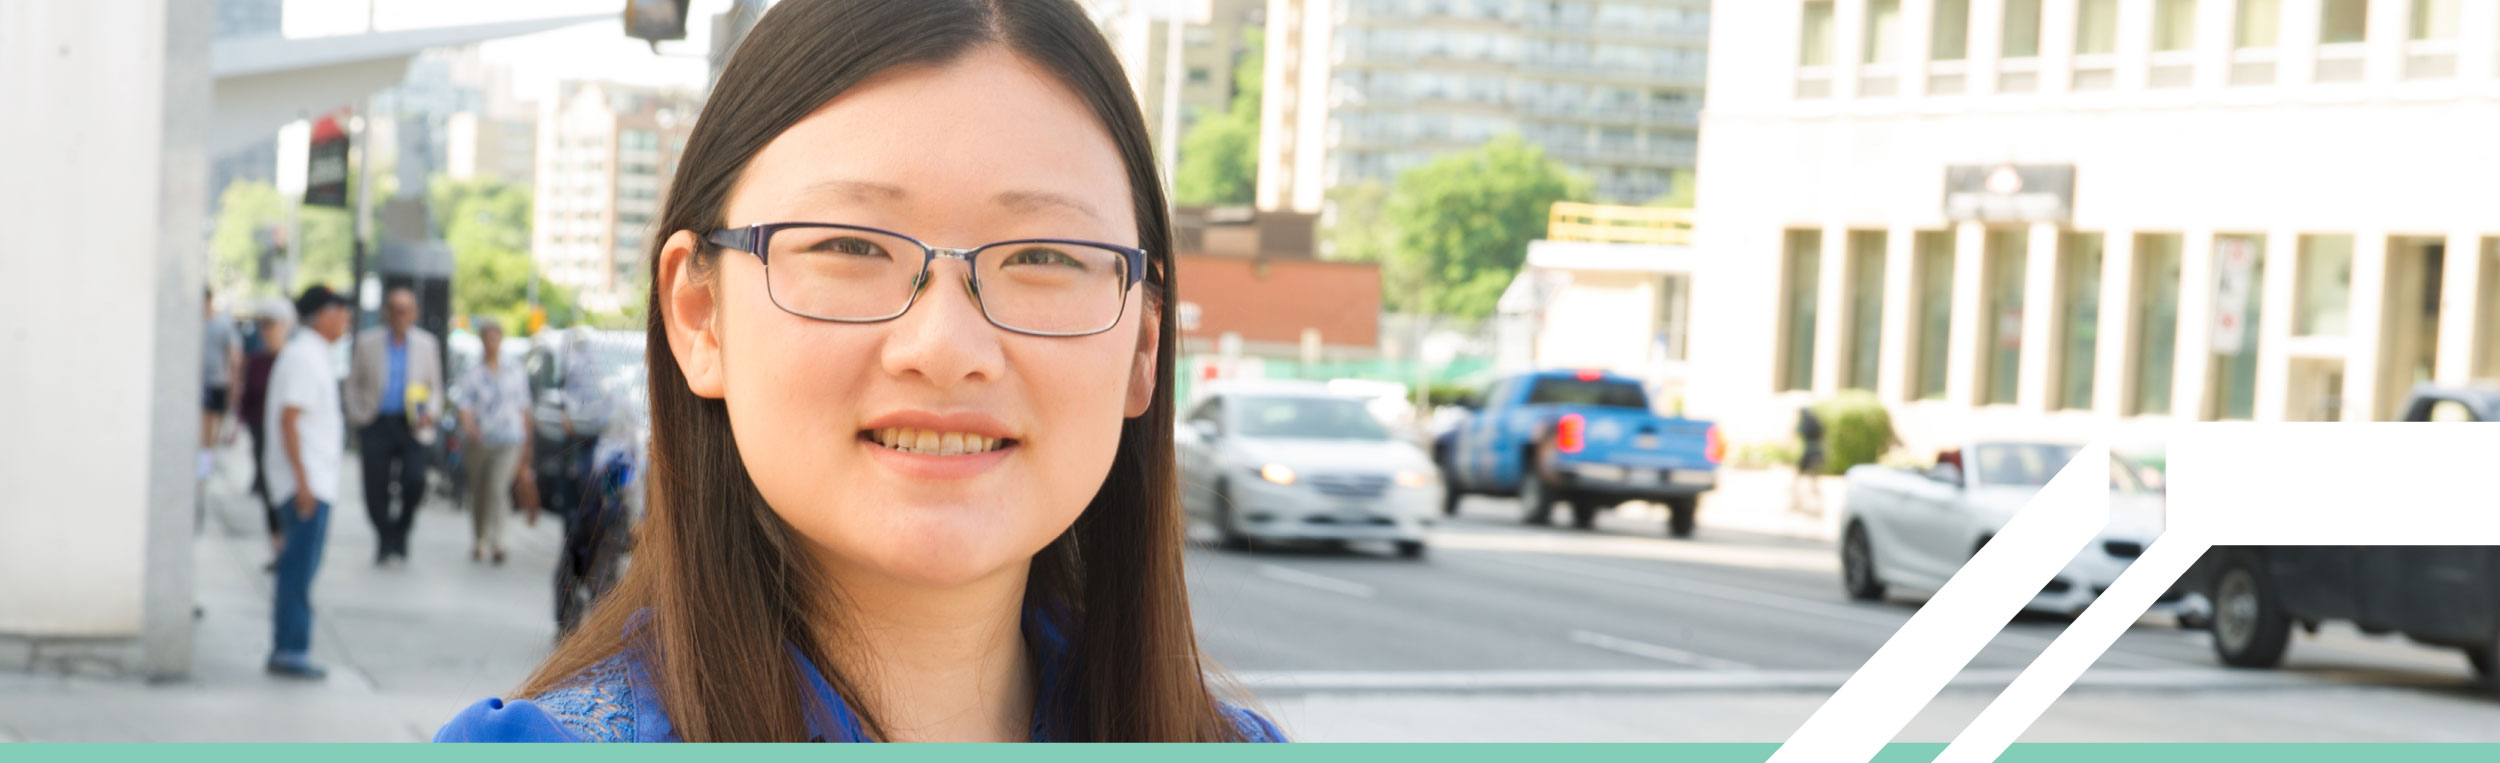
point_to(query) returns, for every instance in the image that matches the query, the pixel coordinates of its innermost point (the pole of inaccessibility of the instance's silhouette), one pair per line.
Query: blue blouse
(611, 702)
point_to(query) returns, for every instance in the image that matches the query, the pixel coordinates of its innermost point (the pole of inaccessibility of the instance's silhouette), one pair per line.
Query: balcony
(1574, 221)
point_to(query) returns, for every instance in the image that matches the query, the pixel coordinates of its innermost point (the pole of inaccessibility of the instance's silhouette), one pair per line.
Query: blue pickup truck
(1586, 439)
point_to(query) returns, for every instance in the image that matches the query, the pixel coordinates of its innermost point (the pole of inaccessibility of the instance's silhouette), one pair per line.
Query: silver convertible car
(1273, 462)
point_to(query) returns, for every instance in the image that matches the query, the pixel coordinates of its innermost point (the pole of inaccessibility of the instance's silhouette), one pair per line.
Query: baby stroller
(598, 538)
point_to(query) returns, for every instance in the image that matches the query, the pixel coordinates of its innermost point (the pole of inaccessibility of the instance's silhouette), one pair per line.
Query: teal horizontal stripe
(1347, 753)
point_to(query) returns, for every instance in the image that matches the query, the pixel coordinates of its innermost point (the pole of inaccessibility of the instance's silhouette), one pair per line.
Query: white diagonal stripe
(2055, 669)
(1921, 658)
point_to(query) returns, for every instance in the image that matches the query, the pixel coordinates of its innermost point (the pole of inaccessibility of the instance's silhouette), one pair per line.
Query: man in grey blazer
(394, 390)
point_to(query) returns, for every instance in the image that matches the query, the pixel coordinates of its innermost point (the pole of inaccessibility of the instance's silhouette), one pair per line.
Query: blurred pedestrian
(1805, 493)
(308, 442)
(493, 399)
(274, 320)
(391, 383)
(864, 521)
(221, 352)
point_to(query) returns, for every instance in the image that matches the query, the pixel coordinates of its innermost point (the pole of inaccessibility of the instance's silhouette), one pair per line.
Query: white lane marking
(1784, 602)
(1921, 658)
(1658, 652)
(1773, 680)
(1315, 580)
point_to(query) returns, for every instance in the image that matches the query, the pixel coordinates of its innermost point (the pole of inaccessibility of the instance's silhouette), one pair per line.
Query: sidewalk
(407, 646)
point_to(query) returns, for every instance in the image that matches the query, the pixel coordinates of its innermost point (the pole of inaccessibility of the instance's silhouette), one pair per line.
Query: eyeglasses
(856, 274)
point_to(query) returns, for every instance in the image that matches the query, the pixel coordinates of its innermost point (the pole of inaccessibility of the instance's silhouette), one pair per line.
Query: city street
(1502, 633)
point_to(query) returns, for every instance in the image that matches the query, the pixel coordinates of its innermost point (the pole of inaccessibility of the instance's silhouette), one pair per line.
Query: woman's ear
(1141, 374)
(688, 310)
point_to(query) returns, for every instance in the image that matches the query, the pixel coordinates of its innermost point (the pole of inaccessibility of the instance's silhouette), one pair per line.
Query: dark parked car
(2446, 596)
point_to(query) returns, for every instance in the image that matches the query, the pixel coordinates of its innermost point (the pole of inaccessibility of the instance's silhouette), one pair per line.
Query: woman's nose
(944, 336)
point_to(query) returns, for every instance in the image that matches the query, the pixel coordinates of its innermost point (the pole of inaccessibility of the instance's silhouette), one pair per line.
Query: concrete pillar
(1848, 46)
(1970, 247)
(2191, 370)
(96, 475)
(2214, 38)
(2278, 293)
(2114, 362)
(2296, 42)
(1918, 29)
(1831, 311)
(2365, 336)
(1892, 364)
(2390, 25)
(1987, 40)
(2460, 333)
(2057, 45)
(2135, 43)
(2478, 55)
(2040, 316)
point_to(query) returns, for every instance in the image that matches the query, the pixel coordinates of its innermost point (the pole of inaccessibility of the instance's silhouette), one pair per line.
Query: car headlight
(1415, 478)
(1277, 473)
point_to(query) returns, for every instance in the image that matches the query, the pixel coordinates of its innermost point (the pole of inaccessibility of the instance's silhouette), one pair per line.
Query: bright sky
(594, 51)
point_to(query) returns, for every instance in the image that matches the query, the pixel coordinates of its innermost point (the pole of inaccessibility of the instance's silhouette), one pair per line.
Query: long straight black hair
(726, 590)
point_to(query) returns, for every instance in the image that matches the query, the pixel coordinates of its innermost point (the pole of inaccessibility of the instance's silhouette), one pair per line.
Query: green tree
(1463, 222)
(1354, 229)
(487, 226)
(1219, 158)
(1679, 192)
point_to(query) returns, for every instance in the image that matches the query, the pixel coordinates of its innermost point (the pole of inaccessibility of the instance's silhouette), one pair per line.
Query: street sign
(325, 168)
(2235, 266)
(2029, 193)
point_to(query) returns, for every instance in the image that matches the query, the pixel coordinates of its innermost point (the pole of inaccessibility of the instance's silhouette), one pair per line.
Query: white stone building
(2096, 217)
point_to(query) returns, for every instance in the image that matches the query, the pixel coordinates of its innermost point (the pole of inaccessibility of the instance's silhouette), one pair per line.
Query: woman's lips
(934, 466)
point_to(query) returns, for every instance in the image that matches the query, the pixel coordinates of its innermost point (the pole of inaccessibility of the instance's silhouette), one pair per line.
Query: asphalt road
(1511, 632)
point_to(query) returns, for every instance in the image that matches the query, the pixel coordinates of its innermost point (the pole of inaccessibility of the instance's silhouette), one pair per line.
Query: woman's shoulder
(1254, 727)
(602, 704)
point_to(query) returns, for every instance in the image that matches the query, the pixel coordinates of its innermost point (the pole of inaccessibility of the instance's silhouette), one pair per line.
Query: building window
(1883, 31)
(2008, 254)
(2157, 259)
(1799, 299)
(2325, 276)
(2343, 21)
(1866, 308)
(1935, 313)
(2096, 27)
(2174, 25)
(2235, 373)
(1814, 50)
(2437, 19)
(1949, 38)
(2022, 29)
(2255, 28)
(1198, 75)
(2079, 275)
(2432, 53)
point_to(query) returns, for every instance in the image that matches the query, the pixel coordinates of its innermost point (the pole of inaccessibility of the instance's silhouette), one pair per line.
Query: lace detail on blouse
(598, 706)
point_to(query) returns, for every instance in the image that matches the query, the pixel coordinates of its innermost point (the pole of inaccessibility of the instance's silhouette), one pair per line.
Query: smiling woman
(912, 459)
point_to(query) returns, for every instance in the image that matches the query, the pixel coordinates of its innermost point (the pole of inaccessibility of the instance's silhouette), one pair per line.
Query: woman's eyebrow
(1018, 200)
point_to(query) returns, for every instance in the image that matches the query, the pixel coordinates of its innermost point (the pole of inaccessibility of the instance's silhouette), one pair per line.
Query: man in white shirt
(307, 442)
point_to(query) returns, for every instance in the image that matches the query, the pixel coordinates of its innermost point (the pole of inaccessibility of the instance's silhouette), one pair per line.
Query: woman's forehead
(987, 131)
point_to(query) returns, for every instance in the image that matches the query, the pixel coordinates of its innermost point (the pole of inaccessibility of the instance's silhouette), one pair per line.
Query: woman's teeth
(935, 443)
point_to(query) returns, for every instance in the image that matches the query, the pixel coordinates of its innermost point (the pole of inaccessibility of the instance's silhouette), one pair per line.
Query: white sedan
(1299, 463)
(1906, 528)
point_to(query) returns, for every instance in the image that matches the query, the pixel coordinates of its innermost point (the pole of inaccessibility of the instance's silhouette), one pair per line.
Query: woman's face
(984, 149)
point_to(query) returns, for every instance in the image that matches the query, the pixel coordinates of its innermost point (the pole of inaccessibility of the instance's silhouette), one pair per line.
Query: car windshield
(2022, 464)
(1602, 392)
(1309, 418)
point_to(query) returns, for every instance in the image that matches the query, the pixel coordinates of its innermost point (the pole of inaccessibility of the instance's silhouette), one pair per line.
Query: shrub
(1856, 429)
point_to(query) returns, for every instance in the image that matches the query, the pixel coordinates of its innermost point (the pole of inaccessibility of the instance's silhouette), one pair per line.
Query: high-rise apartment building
(605, 154)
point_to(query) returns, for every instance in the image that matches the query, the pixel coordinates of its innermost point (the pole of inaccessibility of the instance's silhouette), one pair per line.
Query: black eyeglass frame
(757, 240)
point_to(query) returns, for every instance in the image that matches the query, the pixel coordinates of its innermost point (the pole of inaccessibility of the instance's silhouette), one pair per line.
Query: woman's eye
(1041, 256)
(849, 245)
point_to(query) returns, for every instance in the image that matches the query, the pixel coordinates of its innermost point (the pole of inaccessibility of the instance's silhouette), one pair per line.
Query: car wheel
(1227, 536)
(1584, 514)
(1857, 566)
(2250, 628)
(1410, 549)
(1680, 512)
(1536, 498)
